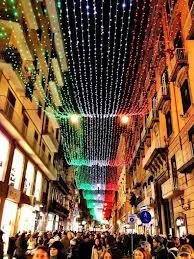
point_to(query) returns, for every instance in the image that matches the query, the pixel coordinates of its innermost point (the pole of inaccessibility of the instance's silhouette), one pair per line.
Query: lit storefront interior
(4, 155)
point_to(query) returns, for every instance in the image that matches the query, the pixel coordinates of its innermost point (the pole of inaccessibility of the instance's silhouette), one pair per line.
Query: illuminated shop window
(16, 169)
(4, 155)
(29, 179)
(38, 186)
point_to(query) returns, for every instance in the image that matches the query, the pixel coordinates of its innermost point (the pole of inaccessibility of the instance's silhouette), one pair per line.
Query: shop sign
(13, 194)
(180, 221)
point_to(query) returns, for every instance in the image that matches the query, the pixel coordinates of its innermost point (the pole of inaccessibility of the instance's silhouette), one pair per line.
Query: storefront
(26, 216)
(4, 155)
(8, 220)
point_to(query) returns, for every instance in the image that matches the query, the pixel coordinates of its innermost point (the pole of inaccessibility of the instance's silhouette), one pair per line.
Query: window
(36, 136)
(39, 33)
(191, 137)
(38, 186)
(29, 179)
(42, 4)
(174, 171)
(25, 120)
(178, 43)
(46, 125)
(164, 78)
(57, 134)
(43, 81)
(49, 157)
(43, 147)
(154, 102)
(46, 56)
(168, 123)
(168, 8)
(16, 169)
(39, 111)
(186, 100)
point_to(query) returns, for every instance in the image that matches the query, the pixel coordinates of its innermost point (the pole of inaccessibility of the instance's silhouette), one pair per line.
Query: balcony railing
(162, 96)
(50, 140)
(152, 117)
(156, 145)
(185, 161)
(179, 60)
(171, 188)
(189, 24)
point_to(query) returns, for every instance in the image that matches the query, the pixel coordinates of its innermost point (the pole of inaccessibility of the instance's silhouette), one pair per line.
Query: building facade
(32, 60)
(161, 149)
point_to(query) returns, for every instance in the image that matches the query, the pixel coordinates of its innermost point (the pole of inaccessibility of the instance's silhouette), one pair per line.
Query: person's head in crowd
(97, 243)
(110, 241)
(176, 240)
(186, 252)
(56, 249)
(146, 246)
(140, 253)
(41, 253)
(158, 241)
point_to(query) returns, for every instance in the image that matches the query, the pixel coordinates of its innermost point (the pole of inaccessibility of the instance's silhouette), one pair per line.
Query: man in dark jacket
(159, 250)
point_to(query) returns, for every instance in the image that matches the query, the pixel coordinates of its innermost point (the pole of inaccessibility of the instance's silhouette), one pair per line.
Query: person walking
(97, 250)
(21, 247)
(65, 242)
(159, 250)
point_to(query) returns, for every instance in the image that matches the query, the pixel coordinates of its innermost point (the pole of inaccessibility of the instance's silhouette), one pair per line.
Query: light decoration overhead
(100, 85)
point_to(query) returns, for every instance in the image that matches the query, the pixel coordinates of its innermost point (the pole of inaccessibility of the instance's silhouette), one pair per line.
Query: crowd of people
(96, 245)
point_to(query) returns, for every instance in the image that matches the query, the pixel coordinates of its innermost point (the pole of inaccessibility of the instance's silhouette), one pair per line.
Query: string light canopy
(100, 38)
(96, 49)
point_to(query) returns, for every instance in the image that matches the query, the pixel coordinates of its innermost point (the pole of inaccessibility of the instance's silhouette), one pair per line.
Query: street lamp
(125, 119)
(74, 119)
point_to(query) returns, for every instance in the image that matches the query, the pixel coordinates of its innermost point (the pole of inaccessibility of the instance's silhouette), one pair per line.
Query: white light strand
(75, 87)
(79, 61)
(120, 61)
(108, 56)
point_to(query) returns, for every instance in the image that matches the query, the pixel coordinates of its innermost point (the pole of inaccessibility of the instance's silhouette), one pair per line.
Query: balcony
(52, 117)
(29, 15)
(8, 110)
(162, 96)
(179, 60)
(55, 26)
(152, 118)
(16, 36)
(55, 93)
(145, 133)
(19, 75)
(171, 188)
(13, 123)
(187, 163)
(50, 140)
(157, 146)
(189, 25)
(57, 71)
